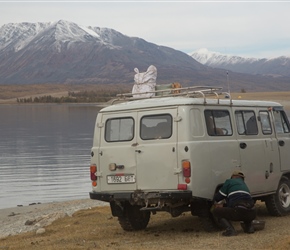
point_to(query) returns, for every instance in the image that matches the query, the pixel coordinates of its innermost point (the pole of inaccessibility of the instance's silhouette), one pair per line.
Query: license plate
(115, 179)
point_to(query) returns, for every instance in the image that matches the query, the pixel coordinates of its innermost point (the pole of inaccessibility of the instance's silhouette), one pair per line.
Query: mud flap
(117, 209)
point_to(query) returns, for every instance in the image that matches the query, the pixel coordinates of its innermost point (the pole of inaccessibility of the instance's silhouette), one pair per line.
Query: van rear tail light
(186, 168)
(182, 187)
(93, 170)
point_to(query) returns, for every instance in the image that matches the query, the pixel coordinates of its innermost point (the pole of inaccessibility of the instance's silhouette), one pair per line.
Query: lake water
(45, 153)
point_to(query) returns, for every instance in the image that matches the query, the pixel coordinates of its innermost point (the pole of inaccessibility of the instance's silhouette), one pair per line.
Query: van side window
(156, 127)
(281, 122)
(265, 122)
(119, 129)
(218, 122)
(246, 122)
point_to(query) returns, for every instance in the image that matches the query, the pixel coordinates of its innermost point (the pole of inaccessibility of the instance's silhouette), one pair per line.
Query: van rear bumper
(185, 195)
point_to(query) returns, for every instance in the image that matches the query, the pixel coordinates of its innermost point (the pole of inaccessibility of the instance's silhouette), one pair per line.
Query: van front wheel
(134, 219)
(278, 204)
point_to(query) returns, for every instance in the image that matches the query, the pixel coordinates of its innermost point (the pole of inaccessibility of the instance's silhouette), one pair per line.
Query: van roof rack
(193, 91)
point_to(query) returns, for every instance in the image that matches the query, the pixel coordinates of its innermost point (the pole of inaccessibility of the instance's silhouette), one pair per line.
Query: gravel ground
(163, 232)
(33, 217)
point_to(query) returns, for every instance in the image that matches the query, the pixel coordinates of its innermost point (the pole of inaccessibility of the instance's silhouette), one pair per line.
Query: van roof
(177, 101)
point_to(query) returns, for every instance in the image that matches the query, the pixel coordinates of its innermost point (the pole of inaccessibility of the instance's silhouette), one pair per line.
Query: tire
(278, 204)
(134, 219)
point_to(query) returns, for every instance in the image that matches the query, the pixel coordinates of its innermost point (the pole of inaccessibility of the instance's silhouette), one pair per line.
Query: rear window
(156, 127)
(119, 129)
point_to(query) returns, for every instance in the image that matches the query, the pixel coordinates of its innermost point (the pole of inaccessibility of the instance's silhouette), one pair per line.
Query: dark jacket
(236, 192)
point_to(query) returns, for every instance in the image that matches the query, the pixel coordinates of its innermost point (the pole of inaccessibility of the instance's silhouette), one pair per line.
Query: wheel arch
(278, 204)
(285, 175)
(218, 187)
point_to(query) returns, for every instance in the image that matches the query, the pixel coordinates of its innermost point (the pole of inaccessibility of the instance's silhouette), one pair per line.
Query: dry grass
(97, 229)
(281, 97)
(9, 93)
(16, 91)
(263, 95)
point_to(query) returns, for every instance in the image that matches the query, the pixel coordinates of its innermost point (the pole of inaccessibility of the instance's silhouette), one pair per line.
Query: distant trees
(74, 97)
(46, 99)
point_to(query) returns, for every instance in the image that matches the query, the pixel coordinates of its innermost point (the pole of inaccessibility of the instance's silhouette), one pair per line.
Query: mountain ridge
(278, 66)
(64, 52)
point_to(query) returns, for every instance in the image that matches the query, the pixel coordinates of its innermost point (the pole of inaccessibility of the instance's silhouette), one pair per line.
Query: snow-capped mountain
(16, 36)
(279, 66)
(65, 52)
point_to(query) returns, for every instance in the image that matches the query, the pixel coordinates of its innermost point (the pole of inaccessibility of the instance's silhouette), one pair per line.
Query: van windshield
(281, 123)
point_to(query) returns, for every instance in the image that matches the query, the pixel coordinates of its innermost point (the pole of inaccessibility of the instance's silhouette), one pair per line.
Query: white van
(173, 152)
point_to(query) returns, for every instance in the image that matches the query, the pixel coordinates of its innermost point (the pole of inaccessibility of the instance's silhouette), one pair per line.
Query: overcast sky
(245, 28)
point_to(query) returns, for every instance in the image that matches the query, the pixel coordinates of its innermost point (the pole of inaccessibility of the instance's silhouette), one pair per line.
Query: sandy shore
(95, 228)
(22, 219)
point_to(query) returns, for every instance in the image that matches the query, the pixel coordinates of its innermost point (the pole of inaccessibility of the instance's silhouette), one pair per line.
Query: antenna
(228, 82)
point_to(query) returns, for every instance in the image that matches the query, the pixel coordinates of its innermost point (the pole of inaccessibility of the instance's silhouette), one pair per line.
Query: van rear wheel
(278, 204)
(134, 219)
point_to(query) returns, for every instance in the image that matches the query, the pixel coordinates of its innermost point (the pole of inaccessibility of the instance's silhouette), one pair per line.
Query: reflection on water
(45, 153)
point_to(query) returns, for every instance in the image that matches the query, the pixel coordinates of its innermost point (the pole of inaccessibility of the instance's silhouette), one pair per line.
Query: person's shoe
(249, 229)
(230, 230)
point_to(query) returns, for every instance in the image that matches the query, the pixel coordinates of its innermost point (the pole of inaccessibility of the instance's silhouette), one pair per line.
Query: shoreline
(98, 104)
(21, 219)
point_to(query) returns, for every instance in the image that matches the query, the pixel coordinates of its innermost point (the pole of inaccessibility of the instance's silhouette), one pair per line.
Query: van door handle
(138, 151)
(281, 143)
(243, 145)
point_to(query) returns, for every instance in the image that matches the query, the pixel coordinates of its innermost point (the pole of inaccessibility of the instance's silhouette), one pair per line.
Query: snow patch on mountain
(203, 55)
(90, 31)
(275, 66)
(210, 58)
(16, 36)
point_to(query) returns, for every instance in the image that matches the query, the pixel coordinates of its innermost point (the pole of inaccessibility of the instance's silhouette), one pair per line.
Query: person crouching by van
(239, 205)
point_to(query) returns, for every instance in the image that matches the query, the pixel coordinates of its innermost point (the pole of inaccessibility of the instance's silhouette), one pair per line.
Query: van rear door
(156, 150)
(117, 156)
